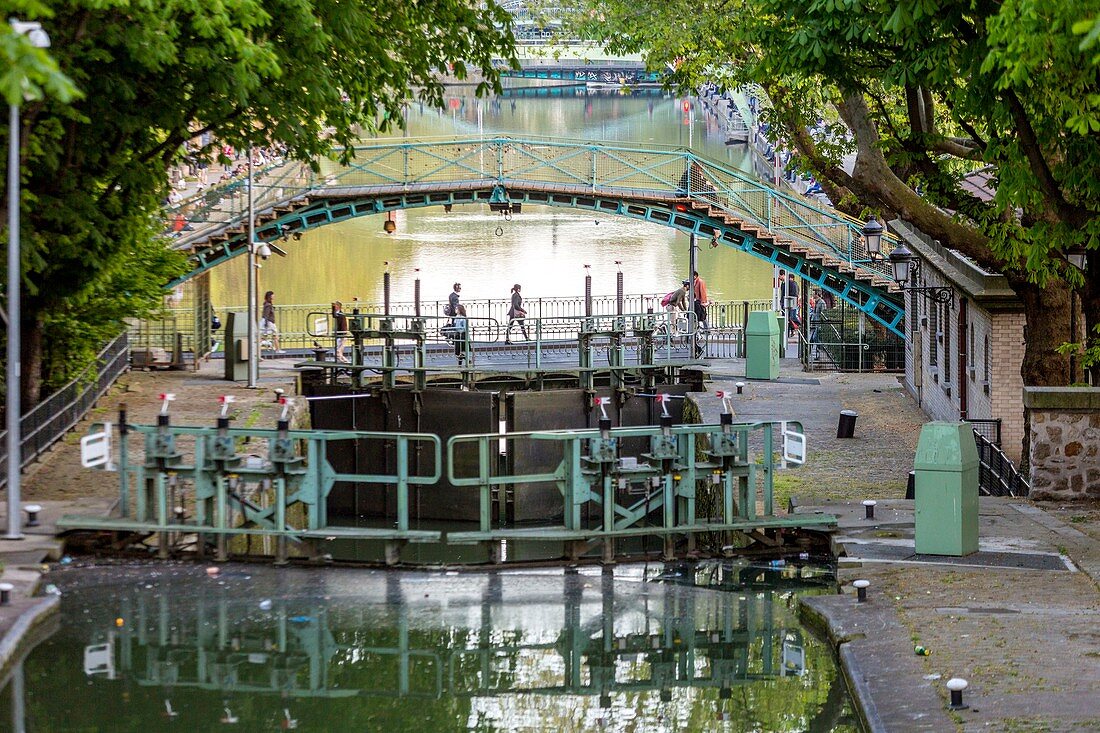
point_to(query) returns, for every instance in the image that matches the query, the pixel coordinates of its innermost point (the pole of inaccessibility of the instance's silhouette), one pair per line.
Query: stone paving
(1028, 641)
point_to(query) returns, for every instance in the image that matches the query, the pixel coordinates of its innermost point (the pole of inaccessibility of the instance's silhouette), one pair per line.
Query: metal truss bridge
(670, 186)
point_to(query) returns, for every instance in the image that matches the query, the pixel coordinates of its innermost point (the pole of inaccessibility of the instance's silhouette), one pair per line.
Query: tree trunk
(31, 360)
(1047, 328)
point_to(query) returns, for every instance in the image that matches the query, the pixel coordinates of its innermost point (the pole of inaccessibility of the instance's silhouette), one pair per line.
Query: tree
(308, 74)
(923, 93)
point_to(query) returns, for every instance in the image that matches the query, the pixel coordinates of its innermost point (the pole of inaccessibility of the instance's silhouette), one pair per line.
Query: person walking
(790, 302)
(340, 326)
(460, 333)
(700, 307)
(267, 321)
(516, 314)
(452, 301)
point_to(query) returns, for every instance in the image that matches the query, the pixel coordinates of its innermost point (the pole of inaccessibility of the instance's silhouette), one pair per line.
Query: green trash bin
(945, 488)
(762, 343)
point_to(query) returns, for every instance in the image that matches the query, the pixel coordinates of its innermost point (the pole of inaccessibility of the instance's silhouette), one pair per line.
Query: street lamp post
(253, 342)
(905, 267)
(13, 372)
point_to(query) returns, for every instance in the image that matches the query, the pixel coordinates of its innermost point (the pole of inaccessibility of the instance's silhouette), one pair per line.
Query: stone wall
(1064, 425)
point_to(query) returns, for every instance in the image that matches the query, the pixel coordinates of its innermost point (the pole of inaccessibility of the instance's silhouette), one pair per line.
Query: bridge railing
(614, 170)
(295, 323)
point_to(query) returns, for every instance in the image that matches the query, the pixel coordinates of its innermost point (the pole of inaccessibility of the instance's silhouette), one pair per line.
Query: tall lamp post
(13, 372)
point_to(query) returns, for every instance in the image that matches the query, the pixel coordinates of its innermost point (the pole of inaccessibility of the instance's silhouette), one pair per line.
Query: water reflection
(530, 650)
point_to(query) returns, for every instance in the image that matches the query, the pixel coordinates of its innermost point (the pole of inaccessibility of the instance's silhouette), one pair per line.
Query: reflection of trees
(566, 649)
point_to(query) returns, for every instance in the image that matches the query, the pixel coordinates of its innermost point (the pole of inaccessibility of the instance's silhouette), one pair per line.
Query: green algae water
(708, 646)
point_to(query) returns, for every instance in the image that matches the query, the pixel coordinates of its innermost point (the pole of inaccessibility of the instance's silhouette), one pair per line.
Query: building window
(945, 334)
(987, 376)
(972, 356)
(933, 335)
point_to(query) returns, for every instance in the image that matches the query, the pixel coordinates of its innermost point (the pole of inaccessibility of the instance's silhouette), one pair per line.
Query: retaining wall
(1064, 427)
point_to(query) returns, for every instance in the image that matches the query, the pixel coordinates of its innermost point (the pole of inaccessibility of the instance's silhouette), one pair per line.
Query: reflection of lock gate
(219, 492)
(308, 649)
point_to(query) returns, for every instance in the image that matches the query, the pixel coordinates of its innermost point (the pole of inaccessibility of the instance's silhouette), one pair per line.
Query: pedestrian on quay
(701, 300)
(452, 301)
(340, 327)
(676, 300)
(460, 332)
(790, 302)
(516, 314)
(267, 321)
(700, 307)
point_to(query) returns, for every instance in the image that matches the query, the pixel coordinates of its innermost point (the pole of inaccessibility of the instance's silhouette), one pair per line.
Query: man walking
(701, 303)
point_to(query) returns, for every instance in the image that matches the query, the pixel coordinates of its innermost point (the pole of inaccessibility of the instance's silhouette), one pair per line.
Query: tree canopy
(311, 75)
(923, 94)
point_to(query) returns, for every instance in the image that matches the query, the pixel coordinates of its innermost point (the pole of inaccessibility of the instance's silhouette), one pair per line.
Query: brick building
(963, 358)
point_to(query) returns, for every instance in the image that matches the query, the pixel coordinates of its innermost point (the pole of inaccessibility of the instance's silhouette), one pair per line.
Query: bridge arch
(669, 187)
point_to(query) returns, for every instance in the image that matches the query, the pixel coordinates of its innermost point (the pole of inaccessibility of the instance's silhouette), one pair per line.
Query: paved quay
(1020, 621)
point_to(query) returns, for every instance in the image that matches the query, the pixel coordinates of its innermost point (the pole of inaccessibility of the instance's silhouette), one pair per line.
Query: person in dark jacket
(516, 314)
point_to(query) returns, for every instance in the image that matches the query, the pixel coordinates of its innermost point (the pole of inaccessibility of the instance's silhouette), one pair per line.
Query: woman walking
(516, 314)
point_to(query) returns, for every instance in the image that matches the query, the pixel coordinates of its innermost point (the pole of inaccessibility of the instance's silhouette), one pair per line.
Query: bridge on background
(668, 186)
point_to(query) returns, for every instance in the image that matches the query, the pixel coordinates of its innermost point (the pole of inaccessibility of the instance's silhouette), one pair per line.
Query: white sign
(95, 449)
(794, 446)
(320, 326)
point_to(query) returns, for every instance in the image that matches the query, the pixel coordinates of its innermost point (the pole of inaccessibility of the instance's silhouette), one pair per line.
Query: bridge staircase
(815, 255)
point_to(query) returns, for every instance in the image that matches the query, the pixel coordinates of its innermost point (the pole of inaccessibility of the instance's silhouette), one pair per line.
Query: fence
(294, 322)
(997, 475)
(49, 420)
(844, 340)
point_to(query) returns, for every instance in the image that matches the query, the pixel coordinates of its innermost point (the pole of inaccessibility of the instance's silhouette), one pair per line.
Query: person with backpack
(677, 299)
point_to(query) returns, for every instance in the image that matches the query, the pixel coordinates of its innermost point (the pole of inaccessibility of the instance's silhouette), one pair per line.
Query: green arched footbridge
(672, 187)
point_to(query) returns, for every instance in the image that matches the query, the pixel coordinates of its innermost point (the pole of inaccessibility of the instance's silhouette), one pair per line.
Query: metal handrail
(604, 168)
(997, 474)
(50, 419)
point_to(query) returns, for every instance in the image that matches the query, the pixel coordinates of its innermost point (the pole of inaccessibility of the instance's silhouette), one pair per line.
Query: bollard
(861, 590)
(846, 426)
(869, 508)
(910, 485)
(5, 593)
(32, 514)
(740, 387)
(279, 391)
(956, 685)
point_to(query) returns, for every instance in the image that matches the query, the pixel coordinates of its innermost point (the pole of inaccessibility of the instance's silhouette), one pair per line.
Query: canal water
(709, 646)
(545, 249)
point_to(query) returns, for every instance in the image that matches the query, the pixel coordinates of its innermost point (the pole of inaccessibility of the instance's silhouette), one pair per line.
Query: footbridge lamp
(872, 239)
(905, 268)
(39, 39)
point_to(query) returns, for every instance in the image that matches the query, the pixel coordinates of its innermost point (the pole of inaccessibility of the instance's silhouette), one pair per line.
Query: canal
(707, 646)
(545, 249)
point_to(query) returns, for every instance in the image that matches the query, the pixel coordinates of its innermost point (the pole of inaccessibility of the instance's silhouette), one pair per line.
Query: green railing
(222, 481)
(546, 164)
(199, 487)
(296, 322)
(628, 490)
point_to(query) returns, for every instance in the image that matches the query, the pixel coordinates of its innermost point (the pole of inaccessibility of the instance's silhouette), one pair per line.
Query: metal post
(253, 341)
(691, 272)
(13, 372)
